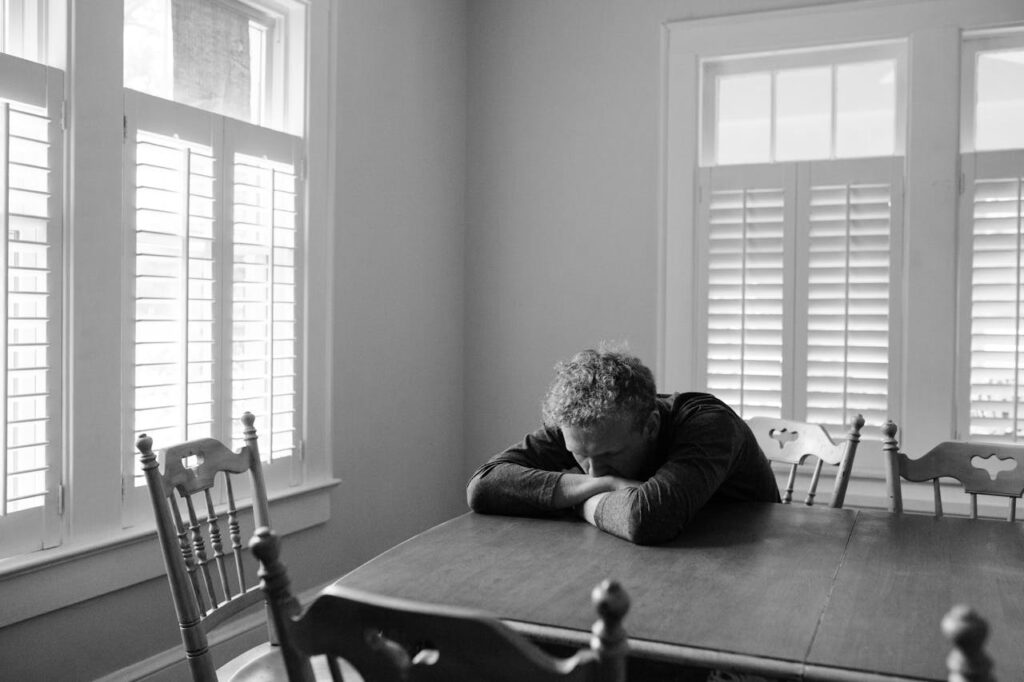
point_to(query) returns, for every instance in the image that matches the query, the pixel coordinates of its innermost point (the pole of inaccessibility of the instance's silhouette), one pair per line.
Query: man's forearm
(574, 489)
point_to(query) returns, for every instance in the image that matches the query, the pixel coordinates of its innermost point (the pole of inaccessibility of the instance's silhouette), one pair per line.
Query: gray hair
(595, 385)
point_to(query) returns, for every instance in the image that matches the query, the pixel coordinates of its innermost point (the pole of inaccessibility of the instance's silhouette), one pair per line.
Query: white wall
(398, 279)
(396, 378)
(563, 202)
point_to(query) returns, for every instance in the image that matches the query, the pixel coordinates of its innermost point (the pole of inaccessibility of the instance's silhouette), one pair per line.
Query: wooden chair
(793, 443)
(208, 580)
(387, 639)
(967, 661)
(959, 460)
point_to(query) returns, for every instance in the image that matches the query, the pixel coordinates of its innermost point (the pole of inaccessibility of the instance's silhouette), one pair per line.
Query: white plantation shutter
(798, 276)
(747, 228)
(31, 196)
(174, 285)
(848, 214)
(994, 200)
(215, 210)
(265, 290)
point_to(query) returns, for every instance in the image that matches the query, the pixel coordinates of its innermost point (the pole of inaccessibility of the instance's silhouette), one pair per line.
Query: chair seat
(266, 664)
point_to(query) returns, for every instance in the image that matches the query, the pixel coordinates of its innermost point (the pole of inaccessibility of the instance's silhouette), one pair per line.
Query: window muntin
(236, 58)
(838, 102)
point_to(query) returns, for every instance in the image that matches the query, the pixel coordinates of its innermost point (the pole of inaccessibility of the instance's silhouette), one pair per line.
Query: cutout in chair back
(993, 465)
(783, 436)
(193, 460)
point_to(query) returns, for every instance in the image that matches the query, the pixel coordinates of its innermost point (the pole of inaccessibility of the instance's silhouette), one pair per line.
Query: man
(633, 463)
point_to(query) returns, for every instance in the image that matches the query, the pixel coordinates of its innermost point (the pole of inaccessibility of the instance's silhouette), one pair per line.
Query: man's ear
(653, 425)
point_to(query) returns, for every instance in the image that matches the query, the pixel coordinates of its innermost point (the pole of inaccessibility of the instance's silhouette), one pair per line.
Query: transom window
(827, 104)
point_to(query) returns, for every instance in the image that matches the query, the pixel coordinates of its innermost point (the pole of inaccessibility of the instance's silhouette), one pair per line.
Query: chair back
(981, 468)
(205, 570)
(794, 443)
(390, 640)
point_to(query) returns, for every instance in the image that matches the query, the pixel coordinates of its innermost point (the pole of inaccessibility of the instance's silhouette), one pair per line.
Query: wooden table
(784, 590)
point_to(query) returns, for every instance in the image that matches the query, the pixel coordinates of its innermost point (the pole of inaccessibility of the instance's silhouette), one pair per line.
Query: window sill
(89, 571)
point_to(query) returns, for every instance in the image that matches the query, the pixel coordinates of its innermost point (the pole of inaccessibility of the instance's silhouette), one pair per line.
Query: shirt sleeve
(703, 452)
(521, 480)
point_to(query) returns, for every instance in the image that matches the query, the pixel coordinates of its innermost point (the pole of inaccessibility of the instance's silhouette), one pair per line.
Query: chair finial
(608, 637)
(967, 662)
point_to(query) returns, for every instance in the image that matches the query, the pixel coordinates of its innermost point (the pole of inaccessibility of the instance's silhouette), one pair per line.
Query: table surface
(782, 589)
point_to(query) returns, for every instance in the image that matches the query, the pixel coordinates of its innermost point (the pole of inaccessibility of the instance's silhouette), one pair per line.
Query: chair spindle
(186, 552)
(813, 489)
(235, 533)
(790, 484)
(199, 547)
(213, 528)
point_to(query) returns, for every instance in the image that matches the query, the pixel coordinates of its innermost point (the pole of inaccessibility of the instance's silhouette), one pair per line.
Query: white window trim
(934, 31)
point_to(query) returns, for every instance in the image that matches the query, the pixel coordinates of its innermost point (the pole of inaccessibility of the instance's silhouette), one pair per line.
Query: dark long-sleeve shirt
(704, 451)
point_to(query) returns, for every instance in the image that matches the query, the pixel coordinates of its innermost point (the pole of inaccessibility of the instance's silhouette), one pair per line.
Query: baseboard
(226, 642)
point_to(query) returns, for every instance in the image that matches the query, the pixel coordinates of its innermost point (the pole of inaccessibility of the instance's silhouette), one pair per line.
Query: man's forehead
(611, 429)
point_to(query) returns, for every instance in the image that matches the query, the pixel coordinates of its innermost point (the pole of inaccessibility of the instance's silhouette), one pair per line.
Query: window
(31, 196)
(799, 221)
(992, 219)
(214, 199)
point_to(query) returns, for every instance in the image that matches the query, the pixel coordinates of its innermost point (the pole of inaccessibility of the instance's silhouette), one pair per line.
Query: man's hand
(574, 489)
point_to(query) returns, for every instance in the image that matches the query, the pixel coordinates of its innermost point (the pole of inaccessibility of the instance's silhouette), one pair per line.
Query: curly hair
(597, 384)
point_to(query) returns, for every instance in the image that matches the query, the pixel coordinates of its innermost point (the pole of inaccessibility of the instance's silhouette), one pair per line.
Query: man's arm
(523, 479)
(702, 455)
(535, 477)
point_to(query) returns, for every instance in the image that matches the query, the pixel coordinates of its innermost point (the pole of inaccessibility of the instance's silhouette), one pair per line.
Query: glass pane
(866, 109)
(210, 55)
(1000, 100)
(22, 29)
(803, 114)
(743, 125)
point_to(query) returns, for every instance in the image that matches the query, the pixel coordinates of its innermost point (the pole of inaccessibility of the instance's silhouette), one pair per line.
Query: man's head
(604, 403)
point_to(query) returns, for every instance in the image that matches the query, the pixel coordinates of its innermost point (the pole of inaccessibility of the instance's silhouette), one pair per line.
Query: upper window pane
(744, 118)
(1000, 100)
(843, 102)
(215, 55)
(866, 109)
(803, 114)
(25, 27)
